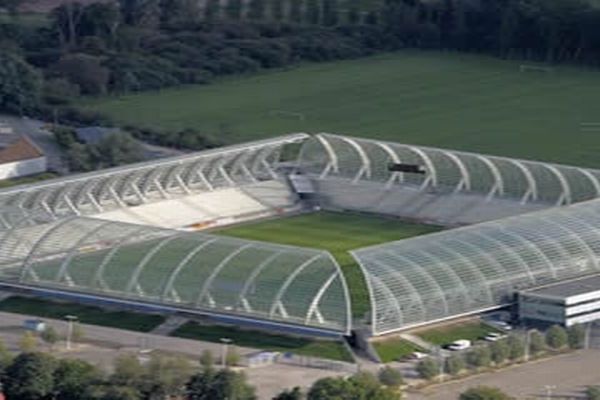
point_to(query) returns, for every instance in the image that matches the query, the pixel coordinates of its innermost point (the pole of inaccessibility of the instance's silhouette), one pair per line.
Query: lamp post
(527, 344)
(225, 342)
(70, 319)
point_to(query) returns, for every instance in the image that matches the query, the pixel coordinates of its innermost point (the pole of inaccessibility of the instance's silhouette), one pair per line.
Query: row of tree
(34, 375)
(136, 45)
(509, 350)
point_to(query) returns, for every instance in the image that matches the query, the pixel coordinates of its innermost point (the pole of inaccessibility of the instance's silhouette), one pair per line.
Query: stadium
(193, 234)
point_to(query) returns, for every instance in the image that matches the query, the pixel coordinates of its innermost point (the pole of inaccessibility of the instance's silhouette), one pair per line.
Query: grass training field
(262, 340)
(86, 314)
(450, 100)
(442, 335)
(394, 349)
(337, 233)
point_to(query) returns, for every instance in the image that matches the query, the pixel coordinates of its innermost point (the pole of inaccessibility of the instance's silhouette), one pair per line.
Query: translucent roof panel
(141, 183)
(465, 270)
(448, 171)
(191, 270)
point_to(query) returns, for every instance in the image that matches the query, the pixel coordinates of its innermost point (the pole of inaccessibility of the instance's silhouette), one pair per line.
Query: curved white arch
(565, 197)
(465, 181)
(332, 164)
(396, 175)
(430, 167)
(498, 186)
(532, 190)
(365, 168)
(208, 282)
(593, 179)
(290, 279)
(423, 272)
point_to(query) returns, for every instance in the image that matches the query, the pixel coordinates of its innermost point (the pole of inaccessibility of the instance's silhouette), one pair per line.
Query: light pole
(549, 389)
(225, 342)
(70, 319)
(527, 344)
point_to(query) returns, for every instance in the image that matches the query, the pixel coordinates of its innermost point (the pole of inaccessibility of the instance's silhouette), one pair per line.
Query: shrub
(455, 363)
(390, 377)
(479, 357)
(516, 347)
(484, 393)
(576, 336)
(428, 368)
(593, 393)
(556, 337)
(536, 342)
(499, 351)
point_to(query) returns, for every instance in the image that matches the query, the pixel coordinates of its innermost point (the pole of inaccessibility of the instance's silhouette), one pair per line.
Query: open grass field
(337, 233)
(449, 100)
(86, 314)
(394, 349)
(268, 341)
(469, 330)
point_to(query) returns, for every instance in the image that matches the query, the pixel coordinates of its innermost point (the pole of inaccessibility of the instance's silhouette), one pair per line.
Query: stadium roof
(193, 271)
(470, 269)
(120, 187)
(455, 171)
(569, 288)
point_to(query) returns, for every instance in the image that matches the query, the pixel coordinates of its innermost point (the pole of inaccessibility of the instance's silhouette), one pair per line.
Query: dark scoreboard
(409, 168)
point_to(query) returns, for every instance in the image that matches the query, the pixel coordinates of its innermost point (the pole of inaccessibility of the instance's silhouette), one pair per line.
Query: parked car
(461, 344)
(417, 355)
(501, 325)
(494, 336)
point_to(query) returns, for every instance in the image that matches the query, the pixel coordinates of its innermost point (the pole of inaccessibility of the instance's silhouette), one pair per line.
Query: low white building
(567, 303)
(19, 156)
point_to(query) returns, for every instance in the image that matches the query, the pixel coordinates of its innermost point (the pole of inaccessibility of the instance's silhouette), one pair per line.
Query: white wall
(22, 168)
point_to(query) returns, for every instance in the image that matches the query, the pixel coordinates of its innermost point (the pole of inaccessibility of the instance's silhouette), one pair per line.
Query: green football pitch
(337, 233)
(451, 100)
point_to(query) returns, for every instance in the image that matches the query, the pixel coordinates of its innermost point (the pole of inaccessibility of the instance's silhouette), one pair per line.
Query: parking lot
(561, 377)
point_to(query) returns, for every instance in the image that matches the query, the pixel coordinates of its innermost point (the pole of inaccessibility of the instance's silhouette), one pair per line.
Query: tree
(296, 11)
(592, 393)
(256, 10)
(277, 10)
(500, 351)
(360, 386)
(28, 342)
(484, 393)
(479, 357)
(455, 364)
(536, 342)
(127, 371)
(294, 394)
(354, 16)
(428, 368)
(212, 10)
(206, 359)
(50, 336)
(556, 337)
(120, 393)
(516, 347)
(5, 356)
(390, 376)
(576, 334)
(66, 20)
(20, 84)
(234, 9)
(30, 377)
(224, 384)
(313, 12)
(86, 71)
(74, 379)
(165, 377)
(233, 357)
(330, 12)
